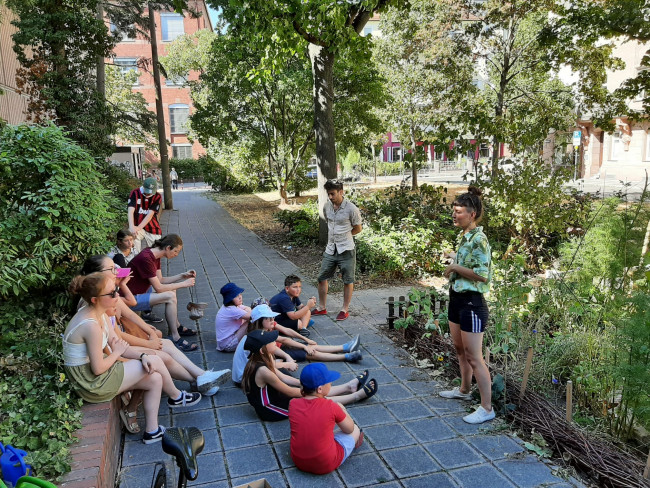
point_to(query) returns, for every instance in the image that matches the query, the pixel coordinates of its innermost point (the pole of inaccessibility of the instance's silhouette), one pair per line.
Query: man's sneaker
(212, 378)
(212, 391)
(455, 393)
(151, 317)
(186, 399)
(319, 312)
(157, 436)
(479, 416)
(353, 357)
(353, 345)
(342, 316)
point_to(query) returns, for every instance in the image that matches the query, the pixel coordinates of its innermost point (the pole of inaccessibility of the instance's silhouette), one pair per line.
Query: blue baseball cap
(229, 292)
(261, 311)
(316, 374)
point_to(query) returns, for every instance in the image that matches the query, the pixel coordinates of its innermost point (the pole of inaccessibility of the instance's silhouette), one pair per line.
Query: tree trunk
(284, 199)
(160, 115)
(101, 67)
(374, 162)
(322, 64)
(414, 161)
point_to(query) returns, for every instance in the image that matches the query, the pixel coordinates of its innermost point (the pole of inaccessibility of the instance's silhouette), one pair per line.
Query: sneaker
(342, 316)
(479, 416)
(151, 317)
(186, 400)
(211, 392)
(311, 322)
(212, 378)
(319, 312)
(353, 357)
(455, 393)
(353, 345)
(157, 436)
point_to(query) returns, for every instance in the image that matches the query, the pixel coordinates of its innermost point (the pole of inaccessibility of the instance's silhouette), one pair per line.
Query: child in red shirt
(315, 447)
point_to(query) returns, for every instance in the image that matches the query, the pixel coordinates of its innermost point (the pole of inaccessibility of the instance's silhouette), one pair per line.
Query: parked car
(312, 173)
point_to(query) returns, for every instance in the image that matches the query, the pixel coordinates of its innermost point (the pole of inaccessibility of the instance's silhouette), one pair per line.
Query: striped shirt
(143, 206)
(473, 253)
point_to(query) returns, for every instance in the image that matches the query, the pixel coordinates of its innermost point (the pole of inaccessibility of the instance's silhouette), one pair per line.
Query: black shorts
(298, 355)
(469, 310)
(287, 322)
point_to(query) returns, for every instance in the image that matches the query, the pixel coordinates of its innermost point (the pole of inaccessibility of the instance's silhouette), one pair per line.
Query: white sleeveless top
(77, 354)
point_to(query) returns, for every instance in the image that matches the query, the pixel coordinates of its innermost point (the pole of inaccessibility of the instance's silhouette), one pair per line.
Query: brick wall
(95, 457)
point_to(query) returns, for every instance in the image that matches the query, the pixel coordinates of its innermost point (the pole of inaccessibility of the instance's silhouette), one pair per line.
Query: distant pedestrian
(143, 207)
(343, 222)
(173, 175)
(469, 278)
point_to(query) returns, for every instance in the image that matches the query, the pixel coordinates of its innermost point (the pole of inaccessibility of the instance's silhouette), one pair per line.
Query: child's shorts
(298, 355)
(346, 441)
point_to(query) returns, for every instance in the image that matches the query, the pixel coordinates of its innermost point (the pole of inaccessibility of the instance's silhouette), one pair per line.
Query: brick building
(135, 54)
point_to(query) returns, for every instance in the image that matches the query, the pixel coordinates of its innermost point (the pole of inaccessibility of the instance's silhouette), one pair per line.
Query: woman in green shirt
(469, 278)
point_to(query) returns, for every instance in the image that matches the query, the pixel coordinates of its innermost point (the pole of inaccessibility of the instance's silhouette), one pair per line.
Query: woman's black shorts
(468, 309)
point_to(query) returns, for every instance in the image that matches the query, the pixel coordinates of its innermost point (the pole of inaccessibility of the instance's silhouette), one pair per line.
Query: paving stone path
(414, 438)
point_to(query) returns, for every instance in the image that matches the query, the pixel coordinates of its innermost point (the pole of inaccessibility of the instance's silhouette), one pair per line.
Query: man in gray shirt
(343, 222)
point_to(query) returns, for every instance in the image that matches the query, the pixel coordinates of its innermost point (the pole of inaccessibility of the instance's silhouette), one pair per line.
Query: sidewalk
(413, 437)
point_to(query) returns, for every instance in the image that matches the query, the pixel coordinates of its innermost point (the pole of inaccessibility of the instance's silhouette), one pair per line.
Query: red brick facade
(174, 96)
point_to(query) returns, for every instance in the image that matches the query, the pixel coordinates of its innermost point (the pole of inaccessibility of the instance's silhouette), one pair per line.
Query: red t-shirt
(144, 266)
(313, 448)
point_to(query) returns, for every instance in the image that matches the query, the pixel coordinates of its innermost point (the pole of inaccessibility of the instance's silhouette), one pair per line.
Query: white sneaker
(479, 416)
(455, 393)
(212, 391)
(211, 378)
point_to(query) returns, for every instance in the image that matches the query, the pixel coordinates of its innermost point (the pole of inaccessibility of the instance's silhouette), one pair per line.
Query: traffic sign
(577, 135)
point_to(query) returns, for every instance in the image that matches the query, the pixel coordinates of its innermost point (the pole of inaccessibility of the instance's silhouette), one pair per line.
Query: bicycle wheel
(161, 478)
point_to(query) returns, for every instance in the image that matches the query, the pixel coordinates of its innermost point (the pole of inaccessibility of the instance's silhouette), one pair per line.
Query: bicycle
(185, 444)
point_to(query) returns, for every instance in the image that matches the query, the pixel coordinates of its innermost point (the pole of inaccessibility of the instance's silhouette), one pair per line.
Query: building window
(178, 115)
(396, 153)
(126, 65)
(172, 26)
(121, 34)
(182, 151)
(176, 81)
(617, 145)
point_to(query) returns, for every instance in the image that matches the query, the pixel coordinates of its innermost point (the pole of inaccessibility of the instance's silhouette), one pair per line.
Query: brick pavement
(414, 438)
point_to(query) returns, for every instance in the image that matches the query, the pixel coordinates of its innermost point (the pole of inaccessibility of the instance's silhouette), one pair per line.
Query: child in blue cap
(232, 318)
(315, 447)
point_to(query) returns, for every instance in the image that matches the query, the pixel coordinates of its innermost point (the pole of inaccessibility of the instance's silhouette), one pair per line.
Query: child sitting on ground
(232, 319)
(289, 351)
(293, 314)
(269, 390)
(315, 447)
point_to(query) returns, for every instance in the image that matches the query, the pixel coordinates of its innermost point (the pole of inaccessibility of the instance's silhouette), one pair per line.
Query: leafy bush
(55, 209)
(528, 209)
(232, 168)
(188, 169)
(302, 224)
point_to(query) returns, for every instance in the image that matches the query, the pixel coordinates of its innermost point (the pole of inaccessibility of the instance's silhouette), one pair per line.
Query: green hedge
(56, 208)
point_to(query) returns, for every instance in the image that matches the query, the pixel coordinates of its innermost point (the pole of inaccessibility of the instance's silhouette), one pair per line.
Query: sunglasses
(112, 294)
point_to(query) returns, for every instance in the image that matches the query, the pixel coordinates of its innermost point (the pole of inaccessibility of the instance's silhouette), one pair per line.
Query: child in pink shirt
(232, 319)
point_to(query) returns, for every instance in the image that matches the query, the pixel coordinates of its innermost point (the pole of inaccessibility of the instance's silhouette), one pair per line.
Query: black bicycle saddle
(184, 443)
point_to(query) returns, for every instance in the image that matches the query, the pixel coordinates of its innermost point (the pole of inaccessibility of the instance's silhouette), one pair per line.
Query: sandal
(129, 419)
(304, 332)
(126, 398)
(186, 331)
(363, 377)
(370, 389)
(183, 345)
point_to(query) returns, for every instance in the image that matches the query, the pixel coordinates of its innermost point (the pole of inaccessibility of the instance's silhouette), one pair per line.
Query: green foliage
(231, 168)
(53, 208)
(405, 233)
(302, 224)
(528, 211)
(189, 169)
(56, 208)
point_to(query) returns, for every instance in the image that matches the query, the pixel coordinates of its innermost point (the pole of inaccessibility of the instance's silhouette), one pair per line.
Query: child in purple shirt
(232, 319)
